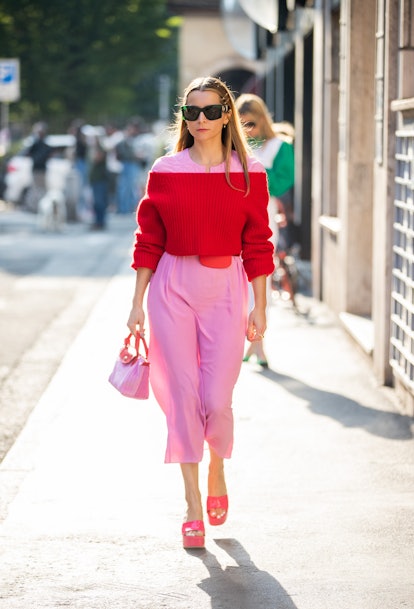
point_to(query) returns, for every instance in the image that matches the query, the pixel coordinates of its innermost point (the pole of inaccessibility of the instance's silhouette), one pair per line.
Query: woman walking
(202, 234)
(277, 155)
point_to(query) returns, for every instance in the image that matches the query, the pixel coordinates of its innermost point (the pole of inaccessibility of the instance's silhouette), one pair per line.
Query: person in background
(99, 180)
(81, 165)
(277, 156)
(40, 152)
(113, 136)
(289, 232)
(129, 176)
(202, 234)
(145, 151)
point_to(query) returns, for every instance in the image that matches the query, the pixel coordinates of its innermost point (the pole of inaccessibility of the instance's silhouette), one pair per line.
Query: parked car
(60, 174)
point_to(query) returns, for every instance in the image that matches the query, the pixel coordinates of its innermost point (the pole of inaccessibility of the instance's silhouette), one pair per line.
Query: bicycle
(285, 275)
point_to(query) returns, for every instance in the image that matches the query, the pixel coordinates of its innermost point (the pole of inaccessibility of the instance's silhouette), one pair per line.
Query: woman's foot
(194, 511)
(217, 509)
(193, 522)
(193, 526)
(193, 533)
(256, 349)
(217, 500)
(248, 353)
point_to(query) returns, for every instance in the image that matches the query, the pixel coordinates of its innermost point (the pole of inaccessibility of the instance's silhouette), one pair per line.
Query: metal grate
(402, 307)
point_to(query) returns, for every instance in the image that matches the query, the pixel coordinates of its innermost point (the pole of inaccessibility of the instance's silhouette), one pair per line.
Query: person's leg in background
(100, 204)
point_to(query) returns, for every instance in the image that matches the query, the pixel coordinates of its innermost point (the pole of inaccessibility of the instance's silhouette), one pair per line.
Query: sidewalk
(321, 485)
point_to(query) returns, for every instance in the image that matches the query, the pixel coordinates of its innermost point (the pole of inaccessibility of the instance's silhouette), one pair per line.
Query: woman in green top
(277, 155)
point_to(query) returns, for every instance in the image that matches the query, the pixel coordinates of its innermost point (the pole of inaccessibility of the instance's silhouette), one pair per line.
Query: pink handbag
(130, 375)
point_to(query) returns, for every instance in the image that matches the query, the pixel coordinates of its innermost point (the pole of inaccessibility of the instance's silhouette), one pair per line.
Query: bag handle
(137, 337)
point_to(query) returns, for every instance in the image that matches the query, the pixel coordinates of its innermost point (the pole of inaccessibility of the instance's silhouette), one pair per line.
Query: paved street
(49, 282)
(321, 483)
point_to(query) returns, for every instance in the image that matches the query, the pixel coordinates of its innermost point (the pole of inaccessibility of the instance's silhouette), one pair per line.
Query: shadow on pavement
(346, 411)
(243, 586)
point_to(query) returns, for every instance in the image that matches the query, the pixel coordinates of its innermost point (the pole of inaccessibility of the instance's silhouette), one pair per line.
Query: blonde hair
(248, 103)
(285, 130)
(232, 136)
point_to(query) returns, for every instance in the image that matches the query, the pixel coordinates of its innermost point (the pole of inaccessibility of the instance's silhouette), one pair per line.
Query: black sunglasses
(212, 113)
(249, 125)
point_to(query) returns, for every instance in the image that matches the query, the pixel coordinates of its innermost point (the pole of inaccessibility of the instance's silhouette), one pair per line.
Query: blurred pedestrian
(40, 152)
(81, 165)
(112, 137)
(289, 232)
(145, 151)
(129, 177)
(202, 234)
(277, 156)
(99, 180)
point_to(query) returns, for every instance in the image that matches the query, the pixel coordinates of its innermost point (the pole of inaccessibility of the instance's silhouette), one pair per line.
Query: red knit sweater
(187, 214)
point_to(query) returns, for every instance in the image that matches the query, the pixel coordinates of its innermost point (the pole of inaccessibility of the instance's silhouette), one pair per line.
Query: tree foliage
(98, 59)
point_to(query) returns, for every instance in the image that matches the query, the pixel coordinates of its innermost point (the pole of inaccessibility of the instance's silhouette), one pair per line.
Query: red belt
(216, 262)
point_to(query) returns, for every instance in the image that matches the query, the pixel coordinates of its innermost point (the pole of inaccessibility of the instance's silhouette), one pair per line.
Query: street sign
(9, 80)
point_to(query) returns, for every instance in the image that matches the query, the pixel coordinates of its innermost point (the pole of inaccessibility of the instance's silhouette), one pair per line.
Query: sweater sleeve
(257, 252)
(281, 175)
(150, 235)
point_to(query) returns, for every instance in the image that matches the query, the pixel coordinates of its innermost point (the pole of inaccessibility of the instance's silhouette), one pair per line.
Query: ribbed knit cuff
(256, 268)
(145, 260)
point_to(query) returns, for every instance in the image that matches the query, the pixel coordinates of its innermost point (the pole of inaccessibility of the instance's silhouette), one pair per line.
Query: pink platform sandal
(214, 503)
(191, 534)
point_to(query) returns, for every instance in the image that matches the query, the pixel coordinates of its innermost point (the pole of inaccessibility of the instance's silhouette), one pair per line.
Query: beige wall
(353, 222)
(355, 180)
(345, 152)
(205, 50)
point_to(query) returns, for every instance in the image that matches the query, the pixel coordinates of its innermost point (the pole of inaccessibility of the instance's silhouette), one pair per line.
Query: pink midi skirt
(198, 320)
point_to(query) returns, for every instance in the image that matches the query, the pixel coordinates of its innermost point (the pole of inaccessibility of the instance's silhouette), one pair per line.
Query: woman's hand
(136, 320)
(256, 327)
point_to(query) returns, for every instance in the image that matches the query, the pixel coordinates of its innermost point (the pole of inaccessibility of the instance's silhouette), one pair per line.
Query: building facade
(362, 179)
(343, 72)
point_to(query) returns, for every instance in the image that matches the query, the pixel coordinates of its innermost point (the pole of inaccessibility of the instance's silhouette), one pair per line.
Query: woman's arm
(137, 315)
(257, 319)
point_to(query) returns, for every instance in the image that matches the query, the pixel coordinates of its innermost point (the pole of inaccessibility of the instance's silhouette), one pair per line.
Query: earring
(225, 125)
